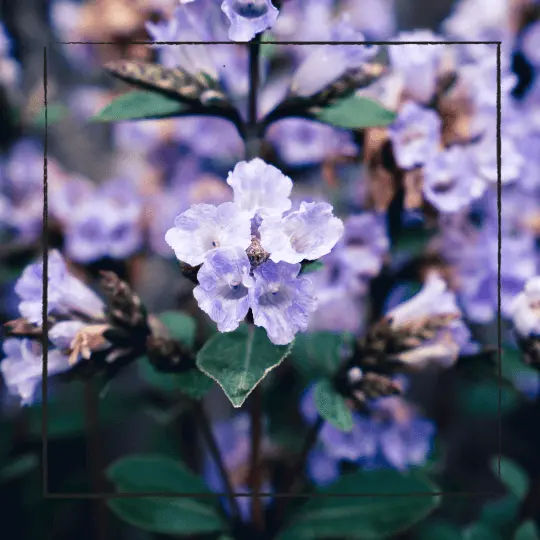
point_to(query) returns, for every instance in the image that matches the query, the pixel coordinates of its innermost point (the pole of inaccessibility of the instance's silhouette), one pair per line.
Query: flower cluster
(393, 435)
(251, 250)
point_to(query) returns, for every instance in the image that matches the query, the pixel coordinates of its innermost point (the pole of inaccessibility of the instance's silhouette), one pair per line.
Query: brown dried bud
(22, 328)
(190, 272)
(125, 307)
(168, 354)
(531, 351)
(256, 253)
(372, 386)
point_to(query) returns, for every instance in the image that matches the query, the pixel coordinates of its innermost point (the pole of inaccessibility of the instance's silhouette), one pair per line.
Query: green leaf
(500, 513)
(481, 399)
(180, 515)
(332, 406)
(18, 467)
(365, 517)
(140, 104)
(238, 361)
(193, 382)
(318, 354)
(480, 531)
(355, 112)
(441, 530)
(180, 326)
(512, 476)
(527, 531)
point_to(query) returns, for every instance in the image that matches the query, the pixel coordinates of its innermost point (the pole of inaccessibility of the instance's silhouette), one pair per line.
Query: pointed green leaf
(193, 382)
(365, 517)
(149, 472)
(512, 476)
(319, 354)
(527, 531)
(238, 361)
(356, 112)
(138, 105)
(332, 406)
(174, 515)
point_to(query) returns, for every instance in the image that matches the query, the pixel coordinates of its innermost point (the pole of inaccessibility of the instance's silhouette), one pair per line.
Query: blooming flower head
(66, 294)
(415, 135)
(249, 17)
(22, 367)
(525, 309)
(250, 249)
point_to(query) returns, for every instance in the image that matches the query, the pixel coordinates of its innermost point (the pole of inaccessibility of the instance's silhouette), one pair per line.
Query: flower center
(250, 9)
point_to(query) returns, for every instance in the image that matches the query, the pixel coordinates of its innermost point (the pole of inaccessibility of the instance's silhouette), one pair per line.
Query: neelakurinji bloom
(250, 251)
(66, 293)
(450, 180)
(415, 135)
(525, 309)
(22, 367)
(249, 17)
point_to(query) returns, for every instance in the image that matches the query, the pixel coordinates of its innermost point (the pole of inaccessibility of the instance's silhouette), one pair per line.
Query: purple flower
(302, 142)
(105, 223)
(415, 135)
(249, 17)
(409, 60)
(204, 228)
(309, 233)
(281, 301)
(530, 44)
(450, 183)
(22, 367)
(391, 434)
(66, 294)
(326, 63)
(260, 188)
(223, 287)
(434, 299)
(525, 309)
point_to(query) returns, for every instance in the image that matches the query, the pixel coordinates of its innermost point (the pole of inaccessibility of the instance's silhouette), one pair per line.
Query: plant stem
(298, 467)
(208, 434)
(94, 456)
(257, 514)
(252, 135)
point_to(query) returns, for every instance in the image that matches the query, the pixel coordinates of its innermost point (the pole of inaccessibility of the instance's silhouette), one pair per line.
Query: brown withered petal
(86, 341)
(22, 328)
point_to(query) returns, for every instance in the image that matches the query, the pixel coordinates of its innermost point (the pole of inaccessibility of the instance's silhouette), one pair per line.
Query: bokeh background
(145, 173)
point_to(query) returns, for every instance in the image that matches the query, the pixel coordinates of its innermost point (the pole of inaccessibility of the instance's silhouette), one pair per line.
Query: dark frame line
(45, 334)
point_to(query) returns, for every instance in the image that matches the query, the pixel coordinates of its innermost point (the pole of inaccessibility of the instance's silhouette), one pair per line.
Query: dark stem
(94, 456)
(252, 136)
(255, 476)
(297, 469)
(208, 435)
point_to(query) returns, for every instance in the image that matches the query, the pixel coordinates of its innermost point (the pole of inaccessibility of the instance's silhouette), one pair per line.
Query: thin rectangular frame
(212, 495)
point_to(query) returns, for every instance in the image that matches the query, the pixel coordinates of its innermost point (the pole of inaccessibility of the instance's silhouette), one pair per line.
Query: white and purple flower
(249, 17)
(415, 135)
(267, 281)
